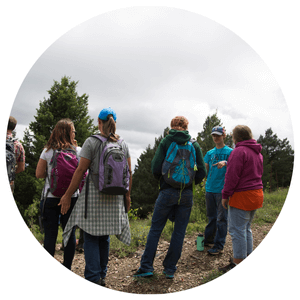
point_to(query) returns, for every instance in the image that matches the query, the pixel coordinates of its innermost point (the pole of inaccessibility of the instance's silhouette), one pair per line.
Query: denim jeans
(52, 218)
(239, 228)
(216, 229)
(167, 204)
(96, 251)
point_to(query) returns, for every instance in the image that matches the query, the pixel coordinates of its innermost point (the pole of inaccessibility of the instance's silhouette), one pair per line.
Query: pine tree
(204, 138)
(63, 102)
(278, 160)
(145, 187)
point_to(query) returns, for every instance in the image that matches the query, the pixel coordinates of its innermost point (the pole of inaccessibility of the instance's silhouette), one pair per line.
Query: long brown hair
(60, 137)
(109, 128)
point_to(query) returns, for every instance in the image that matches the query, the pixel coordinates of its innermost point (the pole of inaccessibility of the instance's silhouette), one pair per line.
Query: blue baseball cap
(105, 112)
(219, 130)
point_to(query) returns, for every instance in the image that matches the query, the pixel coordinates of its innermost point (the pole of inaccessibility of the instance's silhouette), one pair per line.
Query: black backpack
(11, 159)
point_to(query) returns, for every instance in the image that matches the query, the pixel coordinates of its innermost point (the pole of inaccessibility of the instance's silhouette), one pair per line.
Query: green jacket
(180, 137)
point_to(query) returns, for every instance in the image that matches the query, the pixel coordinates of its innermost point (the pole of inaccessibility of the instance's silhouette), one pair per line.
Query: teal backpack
(179, 167)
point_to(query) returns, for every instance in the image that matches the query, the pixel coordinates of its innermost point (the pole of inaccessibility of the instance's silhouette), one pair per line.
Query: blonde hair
(109, 128)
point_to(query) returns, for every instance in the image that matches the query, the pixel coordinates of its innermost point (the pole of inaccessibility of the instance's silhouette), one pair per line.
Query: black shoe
(101, 282)
(228, 267)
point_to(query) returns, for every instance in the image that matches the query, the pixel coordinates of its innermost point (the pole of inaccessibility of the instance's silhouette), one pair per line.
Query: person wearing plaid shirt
(106, 214)
(18, 149)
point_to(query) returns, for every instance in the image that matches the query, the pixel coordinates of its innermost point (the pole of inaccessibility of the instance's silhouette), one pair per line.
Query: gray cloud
(151, 64)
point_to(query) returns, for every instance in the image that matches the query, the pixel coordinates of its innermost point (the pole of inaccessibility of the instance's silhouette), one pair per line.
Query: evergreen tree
(145, 187)
(278, 160)
(63, 102)
(204, 137)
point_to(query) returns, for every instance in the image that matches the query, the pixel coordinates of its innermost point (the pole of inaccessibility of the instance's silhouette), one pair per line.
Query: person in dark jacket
(242, 192)
(171, 201)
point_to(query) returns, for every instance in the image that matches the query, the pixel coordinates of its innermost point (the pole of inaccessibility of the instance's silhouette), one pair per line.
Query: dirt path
(193, 266)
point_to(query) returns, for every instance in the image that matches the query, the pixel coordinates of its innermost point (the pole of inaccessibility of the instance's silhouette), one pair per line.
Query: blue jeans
(216, 229)
(239, 228)
(167, 204)
(52, 218)
(96, 251)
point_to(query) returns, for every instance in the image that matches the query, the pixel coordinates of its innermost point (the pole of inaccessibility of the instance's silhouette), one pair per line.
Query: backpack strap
(43, 198)
(102, 139)
(195, 168)
(87, 183)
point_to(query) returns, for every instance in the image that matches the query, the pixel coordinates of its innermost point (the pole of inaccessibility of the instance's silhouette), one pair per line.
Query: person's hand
(220, 164)
(65, 203)
(225, 203)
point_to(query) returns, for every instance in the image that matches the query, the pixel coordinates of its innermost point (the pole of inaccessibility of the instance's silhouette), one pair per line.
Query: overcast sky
(151, 64)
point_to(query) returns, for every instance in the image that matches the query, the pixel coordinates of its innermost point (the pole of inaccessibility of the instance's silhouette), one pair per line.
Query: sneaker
(228, 267)
(168, 276)
(140, 273)
(215, 251)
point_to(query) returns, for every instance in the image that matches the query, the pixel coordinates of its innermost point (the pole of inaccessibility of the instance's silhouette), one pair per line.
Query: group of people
(234, 191)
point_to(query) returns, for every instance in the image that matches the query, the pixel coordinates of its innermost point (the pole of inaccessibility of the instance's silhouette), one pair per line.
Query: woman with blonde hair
(105, 214)
(243, 192)
(62, 137)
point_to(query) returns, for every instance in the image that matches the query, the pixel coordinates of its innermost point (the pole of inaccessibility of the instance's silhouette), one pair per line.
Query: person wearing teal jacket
(177, 202)
(216, 166)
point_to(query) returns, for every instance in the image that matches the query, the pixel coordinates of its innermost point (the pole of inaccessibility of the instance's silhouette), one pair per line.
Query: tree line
(64, 102)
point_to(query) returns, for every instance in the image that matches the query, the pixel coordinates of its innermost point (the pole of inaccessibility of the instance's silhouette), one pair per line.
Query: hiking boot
(168, 276)
(228, 267)
(141, 273)
(215, 251)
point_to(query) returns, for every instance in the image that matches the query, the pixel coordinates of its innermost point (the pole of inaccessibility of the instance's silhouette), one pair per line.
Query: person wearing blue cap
(215, 163)
(105, 214)
(104, 113)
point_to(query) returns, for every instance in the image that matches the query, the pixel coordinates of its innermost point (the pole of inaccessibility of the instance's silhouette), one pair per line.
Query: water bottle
(200, 242)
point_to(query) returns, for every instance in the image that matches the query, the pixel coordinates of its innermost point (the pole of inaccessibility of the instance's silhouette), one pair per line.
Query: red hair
(179, 123)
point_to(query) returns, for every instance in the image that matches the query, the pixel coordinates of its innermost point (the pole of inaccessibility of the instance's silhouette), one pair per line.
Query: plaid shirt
(105, 213)
(105, 216)
(19, 150)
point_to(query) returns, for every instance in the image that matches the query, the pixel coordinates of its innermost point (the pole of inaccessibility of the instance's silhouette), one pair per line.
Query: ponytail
(109, 129)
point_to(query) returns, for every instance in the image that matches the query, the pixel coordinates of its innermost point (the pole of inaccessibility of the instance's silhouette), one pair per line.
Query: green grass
(139, 228)
(273, 203)
(211, 276)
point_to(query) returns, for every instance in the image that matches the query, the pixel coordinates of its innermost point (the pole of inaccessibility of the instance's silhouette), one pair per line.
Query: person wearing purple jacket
(242, 192)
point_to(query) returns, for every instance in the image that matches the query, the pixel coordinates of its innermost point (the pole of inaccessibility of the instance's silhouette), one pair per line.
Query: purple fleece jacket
(244, 169)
